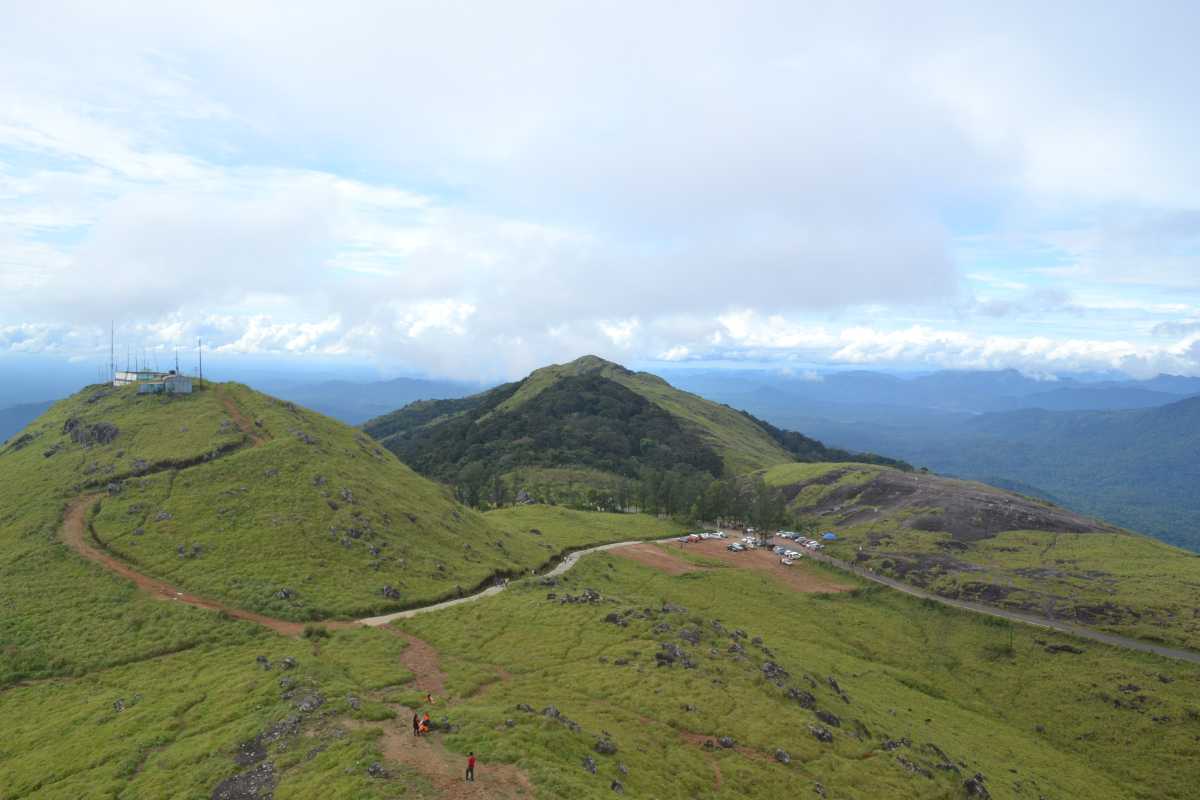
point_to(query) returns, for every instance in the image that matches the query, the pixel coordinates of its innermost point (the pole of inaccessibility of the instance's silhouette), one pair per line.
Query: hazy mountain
(355, 402)
(13, 419)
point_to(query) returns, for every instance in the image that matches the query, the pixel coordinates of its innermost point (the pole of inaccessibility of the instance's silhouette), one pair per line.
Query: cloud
(435, 189)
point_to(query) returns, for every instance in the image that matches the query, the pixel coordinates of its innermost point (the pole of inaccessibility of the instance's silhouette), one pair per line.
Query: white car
(717, 534)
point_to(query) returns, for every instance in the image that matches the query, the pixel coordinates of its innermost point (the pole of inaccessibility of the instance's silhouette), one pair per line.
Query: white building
(150, 382)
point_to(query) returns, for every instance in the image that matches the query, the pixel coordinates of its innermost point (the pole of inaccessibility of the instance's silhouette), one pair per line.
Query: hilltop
(594, 421)
(970, 541)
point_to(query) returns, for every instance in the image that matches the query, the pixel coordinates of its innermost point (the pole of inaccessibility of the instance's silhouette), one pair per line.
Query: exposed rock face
(255, 784)
(88, 435)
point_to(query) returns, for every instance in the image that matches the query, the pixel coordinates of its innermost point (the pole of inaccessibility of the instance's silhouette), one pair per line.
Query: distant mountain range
(15, 418)
(355, 402)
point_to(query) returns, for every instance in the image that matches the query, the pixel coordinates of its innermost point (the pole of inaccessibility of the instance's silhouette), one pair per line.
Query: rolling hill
(973, 541)
(592, 415)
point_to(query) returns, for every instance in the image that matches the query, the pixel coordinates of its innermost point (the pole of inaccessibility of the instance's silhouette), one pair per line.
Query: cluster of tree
(586, 420)
(689, 496)
(805, 448)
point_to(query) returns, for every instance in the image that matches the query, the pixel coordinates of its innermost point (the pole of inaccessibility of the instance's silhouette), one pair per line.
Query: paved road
(559, 569)
(1015, 616)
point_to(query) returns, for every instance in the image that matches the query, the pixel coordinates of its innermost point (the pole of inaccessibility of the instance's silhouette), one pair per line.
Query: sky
(475, 190)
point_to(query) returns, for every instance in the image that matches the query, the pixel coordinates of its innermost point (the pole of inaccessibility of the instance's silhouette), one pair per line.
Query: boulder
(309, 702)
(376, 770)
(805, 699)
(820, 734)
(617, 787)
(782, 756)
(974, 787)
(589, 764)
(726, 742)
(690, 635)
(605, 747)
(389, 591)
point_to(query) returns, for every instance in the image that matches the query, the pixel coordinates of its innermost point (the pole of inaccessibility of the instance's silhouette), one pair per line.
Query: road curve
(75, 533)
(1015, 616)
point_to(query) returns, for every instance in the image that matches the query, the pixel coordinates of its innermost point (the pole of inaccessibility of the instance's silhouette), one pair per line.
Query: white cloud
(444, 189)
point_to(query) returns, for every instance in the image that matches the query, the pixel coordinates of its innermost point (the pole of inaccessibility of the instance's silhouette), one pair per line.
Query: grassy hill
(592, 415)
(258, 503)
(976, 542)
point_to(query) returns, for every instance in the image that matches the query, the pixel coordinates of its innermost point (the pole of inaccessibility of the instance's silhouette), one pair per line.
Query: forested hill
(592, 415)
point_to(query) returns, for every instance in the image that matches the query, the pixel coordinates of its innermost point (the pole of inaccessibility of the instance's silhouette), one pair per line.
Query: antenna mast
(200, 348)
(112, 359)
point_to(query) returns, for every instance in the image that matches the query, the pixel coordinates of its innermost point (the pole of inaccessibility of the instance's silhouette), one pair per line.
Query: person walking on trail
(416, 725)
(471, 767)
(429, 698)
(425, 723)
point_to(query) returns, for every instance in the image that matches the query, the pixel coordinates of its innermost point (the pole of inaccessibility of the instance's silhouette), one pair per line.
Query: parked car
(787, 562)
(717, 534)
(735, 547)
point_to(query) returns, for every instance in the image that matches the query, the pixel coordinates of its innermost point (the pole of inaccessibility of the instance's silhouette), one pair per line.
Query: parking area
(798, 577)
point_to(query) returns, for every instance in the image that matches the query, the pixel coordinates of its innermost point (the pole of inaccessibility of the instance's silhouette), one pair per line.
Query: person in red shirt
(471, 767)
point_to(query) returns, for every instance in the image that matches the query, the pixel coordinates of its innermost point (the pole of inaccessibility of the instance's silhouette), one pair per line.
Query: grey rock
(309, 702)
(605, 747)
(782, 757)
(726, 742)
(376, 770)
(820, 734)
(829, 718)
(975, 788)
(690, 635)
(255, 784)
(287, 662)
(389, 591)
(552, 712)
(528, 709)
(617, 787)
(589, 764)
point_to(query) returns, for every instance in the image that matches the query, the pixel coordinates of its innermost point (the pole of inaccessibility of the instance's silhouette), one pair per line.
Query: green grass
(1098, 579)
(932, 675)
(182, 716)
(560, 529)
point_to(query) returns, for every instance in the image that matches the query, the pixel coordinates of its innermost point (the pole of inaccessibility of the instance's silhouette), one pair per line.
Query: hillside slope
(257, 502)
(589, 414)
(976, 542)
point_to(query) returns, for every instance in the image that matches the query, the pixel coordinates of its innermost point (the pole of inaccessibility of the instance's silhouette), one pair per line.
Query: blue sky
(472, 192)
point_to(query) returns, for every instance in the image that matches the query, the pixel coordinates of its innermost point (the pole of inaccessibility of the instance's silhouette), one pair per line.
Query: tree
(499, 493)
(471, 480)
(767, 509)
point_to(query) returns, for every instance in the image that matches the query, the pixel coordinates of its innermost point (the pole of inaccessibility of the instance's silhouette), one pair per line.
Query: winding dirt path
(75, 533)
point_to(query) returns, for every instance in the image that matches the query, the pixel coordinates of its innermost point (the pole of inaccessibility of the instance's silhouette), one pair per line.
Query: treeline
(687, 496)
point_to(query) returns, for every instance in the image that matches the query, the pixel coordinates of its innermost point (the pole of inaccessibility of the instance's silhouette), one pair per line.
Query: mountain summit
(595, 415)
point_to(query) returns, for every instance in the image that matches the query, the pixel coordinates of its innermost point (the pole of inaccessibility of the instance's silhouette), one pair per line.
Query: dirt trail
(75, 533)
(243, 423)
(445, 770)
